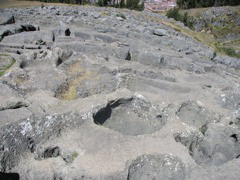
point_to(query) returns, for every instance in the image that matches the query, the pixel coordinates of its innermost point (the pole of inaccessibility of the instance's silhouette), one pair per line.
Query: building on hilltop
(159, 5)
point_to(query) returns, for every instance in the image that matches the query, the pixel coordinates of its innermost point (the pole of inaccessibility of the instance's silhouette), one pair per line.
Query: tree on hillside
(186, 4)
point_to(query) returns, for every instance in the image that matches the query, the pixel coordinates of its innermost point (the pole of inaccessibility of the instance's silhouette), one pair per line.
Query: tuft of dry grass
(79, 73)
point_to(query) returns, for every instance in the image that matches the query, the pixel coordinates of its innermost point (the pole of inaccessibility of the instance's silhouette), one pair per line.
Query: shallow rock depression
(130, 117)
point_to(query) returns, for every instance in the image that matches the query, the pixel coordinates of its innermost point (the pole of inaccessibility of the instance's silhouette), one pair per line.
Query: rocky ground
(102, 93)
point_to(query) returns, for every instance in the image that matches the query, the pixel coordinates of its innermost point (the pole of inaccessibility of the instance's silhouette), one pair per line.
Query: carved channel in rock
(131, 116)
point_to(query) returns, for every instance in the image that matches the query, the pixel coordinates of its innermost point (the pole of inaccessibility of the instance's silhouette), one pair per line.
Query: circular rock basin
(132, 116)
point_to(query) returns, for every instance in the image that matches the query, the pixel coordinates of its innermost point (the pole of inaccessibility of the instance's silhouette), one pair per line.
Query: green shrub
(140, 7)
(116, 5)
(121, 15)
(174, 13)
(134, 4)
(230, 52)
(227, 50)
(130, 4)
(185, 19)
(186, 4)
(100, 3)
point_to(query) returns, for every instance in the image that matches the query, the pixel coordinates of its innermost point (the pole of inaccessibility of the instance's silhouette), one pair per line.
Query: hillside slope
(221, 22)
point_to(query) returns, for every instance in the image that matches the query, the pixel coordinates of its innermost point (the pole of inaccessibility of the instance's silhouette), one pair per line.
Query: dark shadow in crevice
(9, 176)
(59, 61)
(105, 113)
(67, 32)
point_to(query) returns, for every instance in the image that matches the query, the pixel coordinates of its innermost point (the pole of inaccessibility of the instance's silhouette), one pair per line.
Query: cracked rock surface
(88, 95)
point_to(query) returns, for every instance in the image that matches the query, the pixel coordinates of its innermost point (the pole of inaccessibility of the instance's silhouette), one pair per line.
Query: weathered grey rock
(104, 38)
(82, 35)
(29, 132)
(6, 19)
(193, 114)
(6, 61)
(228, 61)
(61, 31)
(162, 166)
(10, 99)
(230, 101)
(14, 114)
(69, 157)
(190, 139)
(199, 25)
(96, 15)
(88, 97)
(70, 19)
(120, 18)
(28, 27)
(219, 145)
(9, 30)
(14, 29)
(217, 23)
(49, 152)
(62, 24)
(42, 37)
(160, 32)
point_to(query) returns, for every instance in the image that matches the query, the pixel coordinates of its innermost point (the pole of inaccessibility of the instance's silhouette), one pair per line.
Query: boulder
(28, 27)
(14, 29)
(61, 31)
(35, 37)
(82, 35)
(228, 61)
(217, 145)
(160, 32)
(10, 116)
(230, 100)
(10, 99)
(96, 15)
(70, 19)
(6, 19)
(193, 114)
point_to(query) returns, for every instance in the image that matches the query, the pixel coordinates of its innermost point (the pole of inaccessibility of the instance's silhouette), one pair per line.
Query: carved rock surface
(87, 95)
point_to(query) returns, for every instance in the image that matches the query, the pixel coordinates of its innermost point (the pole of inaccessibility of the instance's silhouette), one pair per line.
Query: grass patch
(25, 3)
(105, 13)
(79, 74)
(3, 54)
(8, 67)
(177, 29)
(74, 155)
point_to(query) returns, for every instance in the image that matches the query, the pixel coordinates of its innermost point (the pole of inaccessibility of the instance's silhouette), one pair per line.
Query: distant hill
(221, 22)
